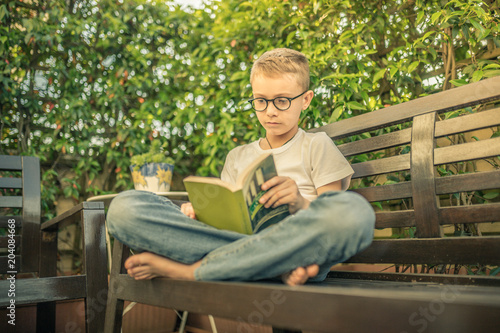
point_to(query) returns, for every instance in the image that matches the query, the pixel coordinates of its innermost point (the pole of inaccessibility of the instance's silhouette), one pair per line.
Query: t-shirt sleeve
(328, 163)
(228, 171)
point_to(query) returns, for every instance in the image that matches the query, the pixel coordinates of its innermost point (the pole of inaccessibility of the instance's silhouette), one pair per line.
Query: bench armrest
(71, 215)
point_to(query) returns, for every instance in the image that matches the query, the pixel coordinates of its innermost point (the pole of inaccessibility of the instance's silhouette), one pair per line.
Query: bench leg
(46, 311)
(95, 266)
(114, 309)
(46, 317)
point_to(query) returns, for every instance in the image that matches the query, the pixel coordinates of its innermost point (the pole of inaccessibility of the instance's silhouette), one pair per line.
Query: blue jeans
(336, 226)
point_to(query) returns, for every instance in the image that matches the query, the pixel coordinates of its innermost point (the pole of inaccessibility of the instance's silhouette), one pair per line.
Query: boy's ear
(308, 96)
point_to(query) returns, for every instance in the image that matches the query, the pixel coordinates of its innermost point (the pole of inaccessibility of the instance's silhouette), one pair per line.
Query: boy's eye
(259, 102)
(281, 102)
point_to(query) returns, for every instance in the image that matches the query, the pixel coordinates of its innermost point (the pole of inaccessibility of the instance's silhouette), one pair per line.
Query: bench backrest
(420, 164)
(19, 206)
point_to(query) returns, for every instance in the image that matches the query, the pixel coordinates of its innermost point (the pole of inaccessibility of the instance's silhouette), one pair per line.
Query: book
(236, 207)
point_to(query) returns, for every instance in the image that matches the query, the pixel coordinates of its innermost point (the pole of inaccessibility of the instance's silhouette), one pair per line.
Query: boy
(326, 225)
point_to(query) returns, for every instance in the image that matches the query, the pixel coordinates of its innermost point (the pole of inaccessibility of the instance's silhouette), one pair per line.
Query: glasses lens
(259, 104)
(282, 103)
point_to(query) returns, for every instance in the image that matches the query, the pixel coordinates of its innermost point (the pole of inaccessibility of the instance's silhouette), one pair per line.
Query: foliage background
(85, 85)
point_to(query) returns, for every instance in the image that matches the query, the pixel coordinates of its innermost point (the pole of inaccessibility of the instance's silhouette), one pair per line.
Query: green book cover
(236, 206)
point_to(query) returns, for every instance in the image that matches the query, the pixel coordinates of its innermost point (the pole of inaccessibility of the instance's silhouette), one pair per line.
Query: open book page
(236, 207)
(218, 206)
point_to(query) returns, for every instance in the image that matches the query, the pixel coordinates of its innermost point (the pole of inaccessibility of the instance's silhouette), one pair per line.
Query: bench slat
(386, 192)
(11, 182)
(375, 143)
(378, 167)
(483, 213)
(11, 202)
(30, 291)
(395, 219)
(470, 214)
(4, 221)
(328, 307)
(472, 94)
(11, 163)
(412, 278)
(486, 180)
(468, 122)
(434, 251)
(467, 151)
(4, 241)
(4, 264)
(456, 125)
(422, 175)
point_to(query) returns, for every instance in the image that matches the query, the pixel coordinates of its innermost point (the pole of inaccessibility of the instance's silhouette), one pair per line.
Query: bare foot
(146, 266)
(300, 275)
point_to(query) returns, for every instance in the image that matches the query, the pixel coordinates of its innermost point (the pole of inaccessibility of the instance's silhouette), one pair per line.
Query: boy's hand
(283, 190)
(187, 209)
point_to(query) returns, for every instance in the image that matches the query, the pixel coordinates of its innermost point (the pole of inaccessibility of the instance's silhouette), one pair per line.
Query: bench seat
(432, 179)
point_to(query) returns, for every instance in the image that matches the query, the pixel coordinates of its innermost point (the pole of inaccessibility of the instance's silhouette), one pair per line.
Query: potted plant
(152, 171)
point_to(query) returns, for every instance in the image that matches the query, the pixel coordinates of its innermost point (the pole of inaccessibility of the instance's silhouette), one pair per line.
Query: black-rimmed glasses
(281, 103)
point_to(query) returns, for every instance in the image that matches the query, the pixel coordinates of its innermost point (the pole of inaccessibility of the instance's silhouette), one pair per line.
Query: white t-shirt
(310, 159)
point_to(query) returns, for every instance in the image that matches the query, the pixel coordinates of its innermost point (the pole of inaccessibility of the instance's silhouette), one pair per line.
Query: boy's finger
(272, 182)
(277, 197)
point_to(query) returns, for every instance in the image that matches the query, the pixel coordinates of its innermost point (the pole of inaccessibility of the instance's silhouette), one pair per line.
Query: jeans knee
(121, 210)
(350, 214)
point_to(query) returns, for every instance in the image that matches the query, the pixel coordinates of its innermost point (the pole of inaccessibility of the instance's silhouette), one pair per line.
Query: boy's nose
(271, 110)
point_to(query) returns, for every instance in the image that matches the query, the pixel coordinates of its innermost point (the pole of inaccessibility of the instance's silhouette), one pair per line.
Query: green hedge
(85, 85)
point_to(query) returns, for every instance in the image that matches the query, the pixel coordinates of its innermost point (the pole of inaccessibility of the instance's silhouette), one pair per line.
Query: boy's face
(280, 123)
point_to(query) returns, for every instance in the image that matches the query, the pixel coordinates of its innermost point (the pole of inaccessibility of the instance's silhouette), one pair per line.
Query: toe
(131, 262)
(312, 271)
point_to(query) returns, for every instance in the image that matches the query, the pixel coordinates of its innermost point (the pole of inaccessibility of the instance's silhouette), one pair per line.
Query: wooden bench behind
(28, 250)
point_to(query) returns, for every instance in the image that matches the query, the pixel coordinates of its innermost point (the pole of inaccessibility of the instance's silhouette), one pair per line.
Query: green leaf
(428, 34)
(435, 17)
(353, 105)
(476, 24)
(347, 94)
(238, 76)
(380, 74)
(491, 73)
(433, 52)
(420, 16)
(490, 66)
(491, 195)
(393, 71)
(336, 114)
(3, 11)
(412, 66)
(478, 75)
(290, 37)
(458, 82)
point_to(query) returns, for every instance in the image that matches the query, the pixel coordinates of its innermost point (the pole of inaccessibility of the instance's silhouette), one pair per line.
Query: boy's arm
(284, 190)
(333, 186)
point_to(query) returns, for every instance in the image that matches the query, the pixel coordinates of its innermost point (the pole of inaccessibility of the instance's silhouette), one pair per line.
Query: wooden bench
(28, 253)
(424, 171)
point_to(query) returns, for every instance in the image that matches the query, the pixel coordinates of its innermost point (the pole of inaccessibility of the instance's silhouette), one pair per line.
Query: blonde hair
(282, 61)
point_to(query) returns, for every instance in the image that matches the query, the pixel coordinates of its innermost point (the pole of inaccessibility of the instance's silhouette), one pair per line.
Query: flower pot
(154, 177)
